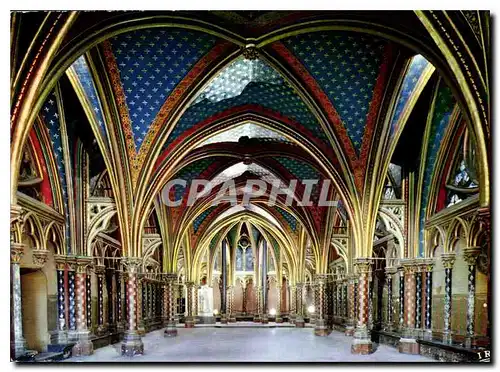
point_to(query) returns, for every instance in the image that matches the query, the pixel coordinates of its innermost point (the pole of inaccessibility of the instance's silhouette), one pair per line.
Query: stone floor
(241, 344)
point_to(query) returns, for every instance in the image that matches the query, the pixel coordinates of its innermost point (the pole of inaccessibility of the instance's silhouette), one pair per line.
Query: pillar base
(231, 319)
(362, 348)
(101, 330)
(83, 346)
(349, 330)
(291, 319)
(362, 343)
(408, 346)
(189, 322)
(257, 318)
(447, 337)
(264, 319)
(132, 344)
(170, 330)
(299, 322)
(321, 328)
(19, 347)
(278, 319)
(59, 337)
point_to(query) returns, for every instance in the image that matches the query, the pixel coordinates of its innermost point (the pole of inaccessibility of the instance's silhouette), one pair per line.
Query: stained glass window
(462, 182)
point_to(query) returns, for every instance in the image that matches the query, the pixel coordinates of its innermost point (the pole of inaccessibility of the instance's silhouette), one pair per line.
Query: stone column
(119, 301)
(278, 318)
(470, 256)
(111, 287)
(370, 301)
(362, 343)
(299, 320)
(351, 318)
(99, 271)
(335, 302)
(407, 342)
(132, 342)
(230, 303)
(141, 329)
(84, 345)
(89, 298)
(71, 267)
(258, 317)
(428, 299)
(293, 304)
(389, 272)
(418, 297)
(243, 296)
(61, 335)
(18, 343)
(169, 304)
(401, 298)
(448, 260)
(321, 327)
(189, 322)
(344, 300)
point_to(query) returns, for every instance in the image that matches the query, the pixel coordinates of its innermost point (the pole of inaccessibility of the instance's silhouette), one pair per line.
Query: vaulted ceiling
(241, 99)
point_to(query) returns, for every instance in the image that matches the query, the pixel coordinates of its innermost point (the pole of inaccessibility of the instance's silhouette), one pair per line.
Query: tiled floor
(249, 345)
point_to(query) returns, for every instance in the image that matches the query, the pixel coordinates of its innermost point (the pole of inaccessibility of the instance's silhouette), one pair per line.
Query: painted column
(223, 283)
(321, 328)
(278, 318)
(299, 320)
(470, 255)
(230, 303)
(401, 298)
(189, 322)
(335, 301)
(448, 260)
(89, 299)
(370, 301)
(132, 342)
(140, 283)
(389, 272)
(71, 267)
(293, 304)
(84, 345)
(418, 298)
(119, 300)
(99, 271)
(407, 343)
(428, 299)
(61, 336)
(339, 300)
(362, 343)
(18, 343)
(258, 316)
(169, 305)
(244, 296)
(350, 324)
(111, 287)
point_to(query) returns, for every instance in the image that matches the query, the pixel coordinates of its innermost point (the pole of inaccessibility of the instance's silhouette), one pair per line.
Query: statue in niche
(205, 299)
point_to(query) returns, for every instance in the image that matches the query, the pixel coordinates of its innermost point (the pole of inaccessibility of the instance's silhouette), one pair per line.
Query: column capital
(16, 252)
(169, 277)
(60, 261)
(391, 270)
(363, 264)
(82, 263)
(320, 278)
(71, 262)
(132, 264)
(40, 257)
(448, 260)
(99, 269)
(471, 254)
